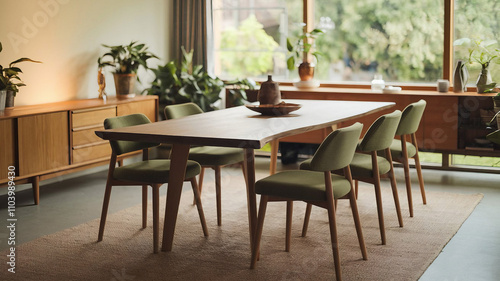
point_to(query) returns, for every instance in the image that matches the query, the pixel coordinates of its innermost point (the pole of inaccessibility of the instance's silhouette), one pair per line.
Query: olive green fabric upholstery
(207, 155)
(381, 133)
(378, 137)
(494, 137)
(121, 147)
(301, 185)
(397, 150)
(310, 185)
(180, 110)
(410, 118)
(152, 171)
(216, 156)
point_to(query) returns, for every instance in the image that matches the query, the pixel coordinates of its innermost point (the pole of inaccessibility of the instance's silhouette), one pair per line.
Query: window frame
(308, 17)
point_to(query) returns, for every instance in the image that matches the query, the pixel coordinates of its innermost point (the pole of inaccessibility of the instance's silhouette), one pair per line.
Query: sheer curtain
(193, 30)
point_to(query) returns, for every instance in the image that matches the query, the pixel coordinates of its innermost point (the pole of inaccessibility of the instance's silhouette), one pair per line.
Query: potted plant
(126, 59)
(303, 49)
(175, 84)
(10, 80)
(484, 53)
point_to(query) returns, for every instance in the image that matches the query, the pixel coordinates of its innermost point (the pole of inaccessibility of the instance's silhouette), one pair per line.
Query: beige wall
(66, 35)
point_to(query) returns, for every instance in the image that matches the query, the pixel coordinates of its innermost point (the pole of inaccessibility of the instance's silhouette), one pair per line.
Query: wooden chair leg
(378, 197)
(289, 213)
(356, 186)
(104, 213)
(419, 169)
(144, 206)
(357, 223)
(218, 194)
(333, 232)
(156, 216)
(406, 167)
(394, 188)
(197, 199)
(306, 219)
(200, 182)
(258, 230)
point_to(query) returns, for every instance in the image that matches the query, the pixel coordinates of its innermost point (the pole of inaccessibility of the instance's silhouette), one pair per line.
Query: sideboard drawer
(92, 117)
(86, 136)
(92, 152)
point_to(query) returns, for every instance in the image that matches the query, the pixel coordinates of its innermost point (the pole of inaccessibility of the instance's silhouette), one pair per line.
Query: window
(408, 42)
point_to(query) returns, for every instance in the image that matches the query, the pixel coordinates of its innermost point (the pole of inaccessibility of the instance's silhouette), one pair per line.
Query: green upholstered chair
(208, 156)
(378, 138)
(494, 137)
(402, 149)
(146, 172)
(318, 186)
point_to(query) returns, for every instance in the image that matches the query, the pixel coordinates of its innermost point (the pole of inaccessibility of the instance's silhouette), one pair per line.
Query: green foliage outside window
(247, 51)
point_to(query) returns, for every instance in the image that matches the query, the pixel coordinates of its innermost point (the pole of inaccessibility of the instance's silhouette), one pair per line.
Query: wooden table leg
(251, 196)
(274, 156)
(179, 157)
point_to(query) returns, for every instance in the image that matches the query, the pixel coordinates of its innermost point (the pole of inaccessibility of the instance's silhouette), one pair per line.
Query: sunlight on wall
(66, 35)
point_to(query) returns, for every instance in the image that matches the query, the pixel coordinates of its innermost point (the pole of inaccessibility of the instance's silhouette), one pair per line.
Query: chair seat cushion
(216, 156)
(361, 166)
(152, 171)
(397, 150)
(301, 185)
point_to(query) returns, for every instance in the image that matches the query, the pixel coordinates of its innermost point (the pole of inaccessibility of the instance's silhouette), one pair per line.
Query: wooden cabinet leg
(35, 183)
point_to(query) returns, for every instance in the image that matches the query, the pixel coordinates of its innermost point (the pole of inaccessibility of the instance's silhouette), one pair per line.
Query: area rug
(126, 251)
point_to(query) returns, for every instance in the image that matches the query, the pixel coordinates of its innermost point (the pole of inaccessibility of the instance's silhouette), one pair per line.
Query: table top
(241, 127)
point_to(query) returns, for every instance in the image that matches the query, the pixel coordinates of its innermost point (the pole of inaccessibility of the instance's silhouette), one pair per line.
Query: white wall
(66, 35)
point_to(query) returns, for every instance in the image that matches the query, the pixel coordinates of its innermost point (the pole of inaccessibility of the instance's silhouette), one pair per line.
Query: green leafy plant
(175, 84)
(126, 59)
(302, 48)
(9, 76)
(238, 90)
(183, 83)
(480, 51)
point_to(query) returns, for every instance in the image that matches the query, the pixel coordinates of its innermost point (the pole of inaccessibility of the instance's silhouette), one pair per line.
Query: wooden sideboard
(48, 140)
(442, 129)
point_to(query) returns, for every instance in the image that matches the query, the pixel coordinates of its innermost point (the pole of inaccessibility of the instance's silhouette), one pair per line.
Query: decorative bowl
(274, 109)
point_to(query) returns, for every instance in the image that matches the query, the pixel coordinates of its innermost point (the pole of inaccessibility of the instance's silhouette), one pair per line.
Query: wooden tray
(274, 110)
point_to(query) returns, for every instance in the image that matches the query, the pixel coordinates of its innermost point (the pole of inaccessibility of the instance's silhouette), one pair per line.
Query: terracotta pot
(9, 100)
(269, 92)
(306, 71)
(124, 84)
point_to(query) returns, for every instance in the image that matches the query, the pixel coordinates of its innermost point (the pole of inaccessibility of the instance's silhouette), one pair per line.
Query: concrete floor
(472, 254)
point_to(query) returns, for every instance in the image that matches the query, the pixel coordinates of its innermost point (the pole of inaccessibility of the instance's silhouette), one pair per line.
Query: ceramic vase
(269, 92)
(3, 95)
(483, 80)
(460, 77)
(9, 100)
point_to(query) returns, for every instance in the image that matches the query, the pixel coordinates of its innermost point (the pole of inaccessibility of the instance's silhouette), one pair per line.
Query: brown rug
(126, 252)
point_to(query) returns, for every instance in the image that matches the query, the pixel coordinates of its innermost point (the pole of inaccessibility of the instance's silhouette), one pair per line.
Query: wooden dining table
(235, 127)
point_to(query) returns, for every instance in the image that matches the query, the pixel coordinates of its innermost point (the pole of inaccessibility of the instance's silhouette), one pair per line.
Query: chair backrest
(381, 133)
(410, 118)
(121, 147)
(337, 150)
(180, 110)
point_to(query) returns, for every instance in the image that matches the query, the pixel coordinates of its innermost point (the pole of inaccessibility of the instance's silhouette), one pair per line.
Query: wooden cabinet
(7, 147)
(439, 128)
(48, 140)
(43, 142)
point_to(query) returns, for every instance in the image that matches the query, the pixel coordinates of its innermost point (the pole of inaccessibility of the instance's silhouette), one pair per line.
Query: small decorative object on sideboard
(460, 77)
(303, 49)
(126, 60)
(10, 81)
(378, 82)
(483, 52)
(101, 81)
(443, 85)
